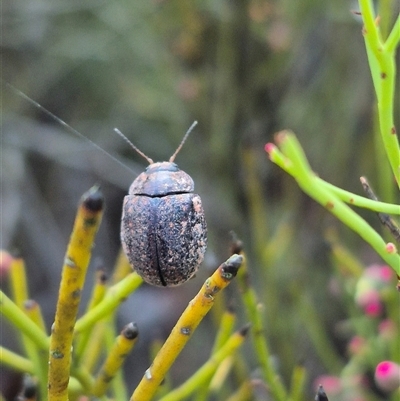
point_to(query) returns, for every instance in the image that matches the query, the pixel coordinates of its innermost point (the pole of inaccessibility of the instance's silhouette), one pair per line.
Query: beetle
(163, 228)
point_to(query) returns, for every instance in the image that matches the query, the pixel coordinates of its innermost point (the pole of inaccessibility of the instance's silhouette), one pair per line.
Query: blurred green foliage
(244, 69)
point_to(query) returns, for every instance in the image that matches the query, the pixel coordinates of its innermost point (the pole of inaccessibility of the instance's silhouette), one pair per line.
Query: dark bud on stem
(29, 389)
(130, 331)
(231, 266)
(321, 395)
(231, 308)
(101, 274)
(93, 199)
(236, 244)
(244, 330)
(103, 277)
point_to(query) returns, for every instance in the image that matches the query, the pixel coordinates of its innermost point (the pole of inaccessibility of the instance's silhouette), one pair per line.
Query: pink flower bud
(369, 300)
(387, 376)
(269, 147)
(382, 273)
(373, 309)
(386, 274)
(390, 247)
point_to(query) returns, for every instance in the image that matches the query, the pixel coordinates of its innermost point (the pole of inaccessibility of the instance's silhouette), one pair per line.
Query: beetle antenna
(64, 124)
(116, 130)
(188, 132)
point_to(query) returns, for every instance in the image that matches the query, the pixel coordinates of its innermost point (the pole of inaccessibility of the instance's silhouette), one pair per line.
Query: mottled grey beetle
(163, 229)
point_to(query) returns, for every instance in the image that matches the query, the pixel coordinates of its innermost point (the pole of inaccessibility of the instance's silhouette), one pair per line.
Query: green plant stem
(20, 294)
(360, 201)
(15, 361)
(381, 58)
(84, 378)
(37, 356)
(117, 351)
(393, 39)
(18, 282)
(346, 262)
(114, 297)
(98, 292)
(384, 10)
(299, 376)
(367, 13)
(244, 393)
(187, 323)
(75, 389)
(317, 333)
(208, 369)
(293, 160)
(19, 319)
(259, 341)
(225, 329)
(76, 262)
(96, 346)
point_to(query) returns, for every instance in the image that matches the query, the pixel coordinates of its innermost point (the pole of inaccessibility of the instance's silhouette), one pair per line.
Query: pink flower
(381, 273)
(370, 287)
(386, 274)
(369, 300)
(387, 376)
(373, 309)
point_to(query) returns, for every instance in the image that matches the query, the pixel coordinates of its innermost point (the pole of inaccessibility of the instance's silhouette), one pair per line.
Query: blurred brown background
(244, 70)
